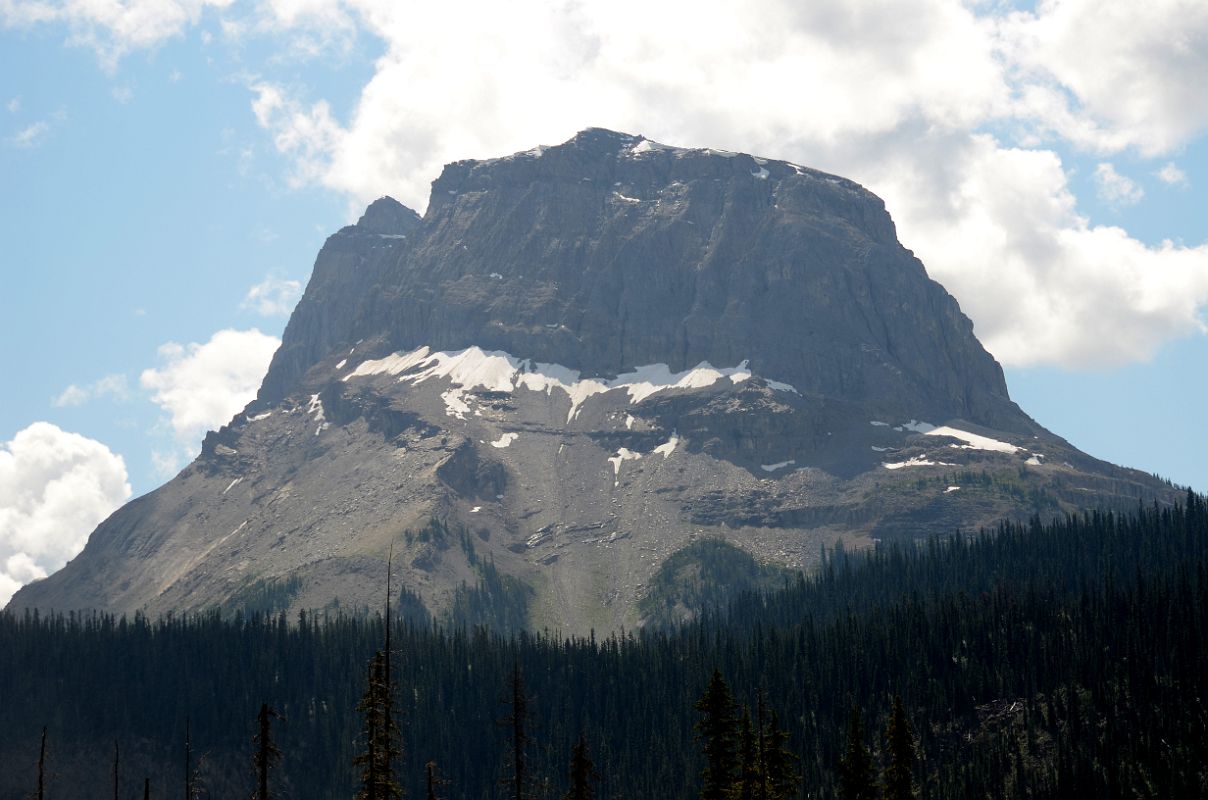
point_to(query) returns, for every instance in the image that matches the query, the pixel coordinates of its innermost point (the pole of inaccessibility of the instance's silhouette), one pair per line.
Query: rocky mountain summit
(580, 365)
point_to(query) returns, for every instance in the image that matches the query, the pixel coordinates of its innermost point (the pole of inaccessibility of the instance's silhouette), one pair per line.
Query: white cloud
(55, 488)
(273, 297)
(834, 85)
(1043, 284)
(897, 94)
(124, 94)
(1171, 175)
(1115, 189)
(30, 136)
(201, 386)
(13, 105)
(1112, 74)
(114, 386)
(111, 28)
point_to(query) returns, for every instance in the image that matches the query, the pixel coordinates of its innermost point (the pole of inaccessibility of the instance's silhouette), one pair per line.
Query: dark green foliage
(857, 780)
(379, 734)
(499, 602)
(899, 747)
(704, 576)
(717, 731)
(583, 774)
(1060, 660)
(264, 596)
(779, 763)
(750, 766)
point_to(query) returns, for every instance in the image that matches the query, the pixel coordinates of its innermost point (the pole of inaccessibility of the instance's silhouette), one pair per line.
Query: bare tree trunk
(42, 767)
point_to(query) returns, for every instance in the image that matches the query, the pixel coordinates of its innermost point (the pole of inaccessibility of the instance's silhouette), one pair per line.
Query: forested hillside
(1061, 660)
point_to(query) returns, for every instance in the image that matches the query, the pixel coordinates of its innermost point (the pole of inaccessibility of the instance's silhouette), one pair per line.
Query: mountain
(595, 385)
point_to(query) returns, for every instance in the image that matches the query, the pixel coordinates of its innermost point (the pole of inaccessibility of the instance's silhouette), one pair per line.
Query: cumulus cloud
(1171, 175)
(1115, 189)
(1043, 284)
(201, 386)
(901, 95)
(833, 85)
(273, 297)
(114, 386)
(55, 488)
(1112, 74)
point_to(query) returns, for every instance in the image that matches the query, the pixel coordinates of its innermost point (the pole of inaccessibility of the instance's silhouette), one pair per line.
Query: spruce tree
(518, 722)
(856, 778)
(717, 731)
(780, 778)
(750, 770)
(376, 760)
(899, 743)
(582, 772)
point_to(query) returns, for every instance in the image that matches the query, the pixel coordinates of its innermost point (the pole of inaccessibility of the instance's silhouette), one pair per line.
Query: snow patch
(625, 198)
(780, 386)
(497, 371)
(668, 447)
(475, 509)
(647, 146)
(877, 423)
(1035, 460)
(762, 174)
(231, 485)
(917, 461)
(972, 441)
(952, 489)
(495, 276)
(340, 365)
(505, 440)
(259, 417)
(916, 426)
(629, 420)
(316, 408)
(779, 465)
(624, 454)
(880, 449)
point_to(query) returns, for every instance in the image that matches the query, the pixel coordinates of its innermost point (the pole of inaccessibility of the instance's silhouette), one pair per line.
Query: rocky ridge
(579, 361)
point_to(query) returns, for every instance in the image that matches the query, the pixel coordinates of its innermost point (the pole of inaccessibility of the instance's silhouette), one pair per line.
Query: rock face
(581, 360)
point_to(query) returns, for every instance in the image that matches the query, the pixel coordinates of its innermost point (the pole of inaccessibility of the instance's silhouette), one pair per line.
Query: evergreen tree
(265, 751)
(717, 731)
(750, 770)
(582, 772)
(780, 778)
(430, 769)
(856, 778)
(518, 722)
(376, 761)
(899, 743)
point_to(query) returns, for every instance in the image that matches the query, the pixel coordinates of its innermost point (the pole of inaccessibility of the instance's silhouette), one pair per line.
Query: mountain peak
(388, 216)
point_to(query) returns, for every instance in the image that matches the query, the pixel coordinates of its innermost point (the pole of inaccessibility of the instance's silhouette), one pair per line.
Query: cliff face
(579, 361)
(611, 251)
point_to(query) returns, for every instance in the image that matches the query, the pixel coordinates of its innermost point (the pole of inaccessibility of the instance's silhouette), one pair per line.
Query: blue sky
(160, 160)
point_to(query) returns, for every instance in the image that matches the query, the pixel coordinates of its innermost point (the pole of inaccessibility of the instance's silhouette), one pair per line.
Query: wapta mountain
(560, 391)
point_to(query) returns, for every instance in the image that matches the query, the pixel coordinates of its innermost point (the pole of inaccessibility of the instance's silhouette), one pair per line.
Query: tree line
(1035, 660)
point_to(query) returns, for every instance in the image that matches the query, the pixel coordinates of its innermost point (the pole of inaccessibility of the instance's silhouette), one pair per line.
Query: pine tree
(780, 778)
(899, 743)
(582, 772)
(856, 779)
(750, 770)
(518, 721)
(430, 768)
(376, 761)
(266, 753)
(717, 731)
(42, 767)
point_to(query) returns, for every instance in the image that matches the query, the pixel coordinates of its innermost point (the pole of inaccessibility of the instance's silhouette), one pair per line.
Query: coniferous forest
(1038, 660)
